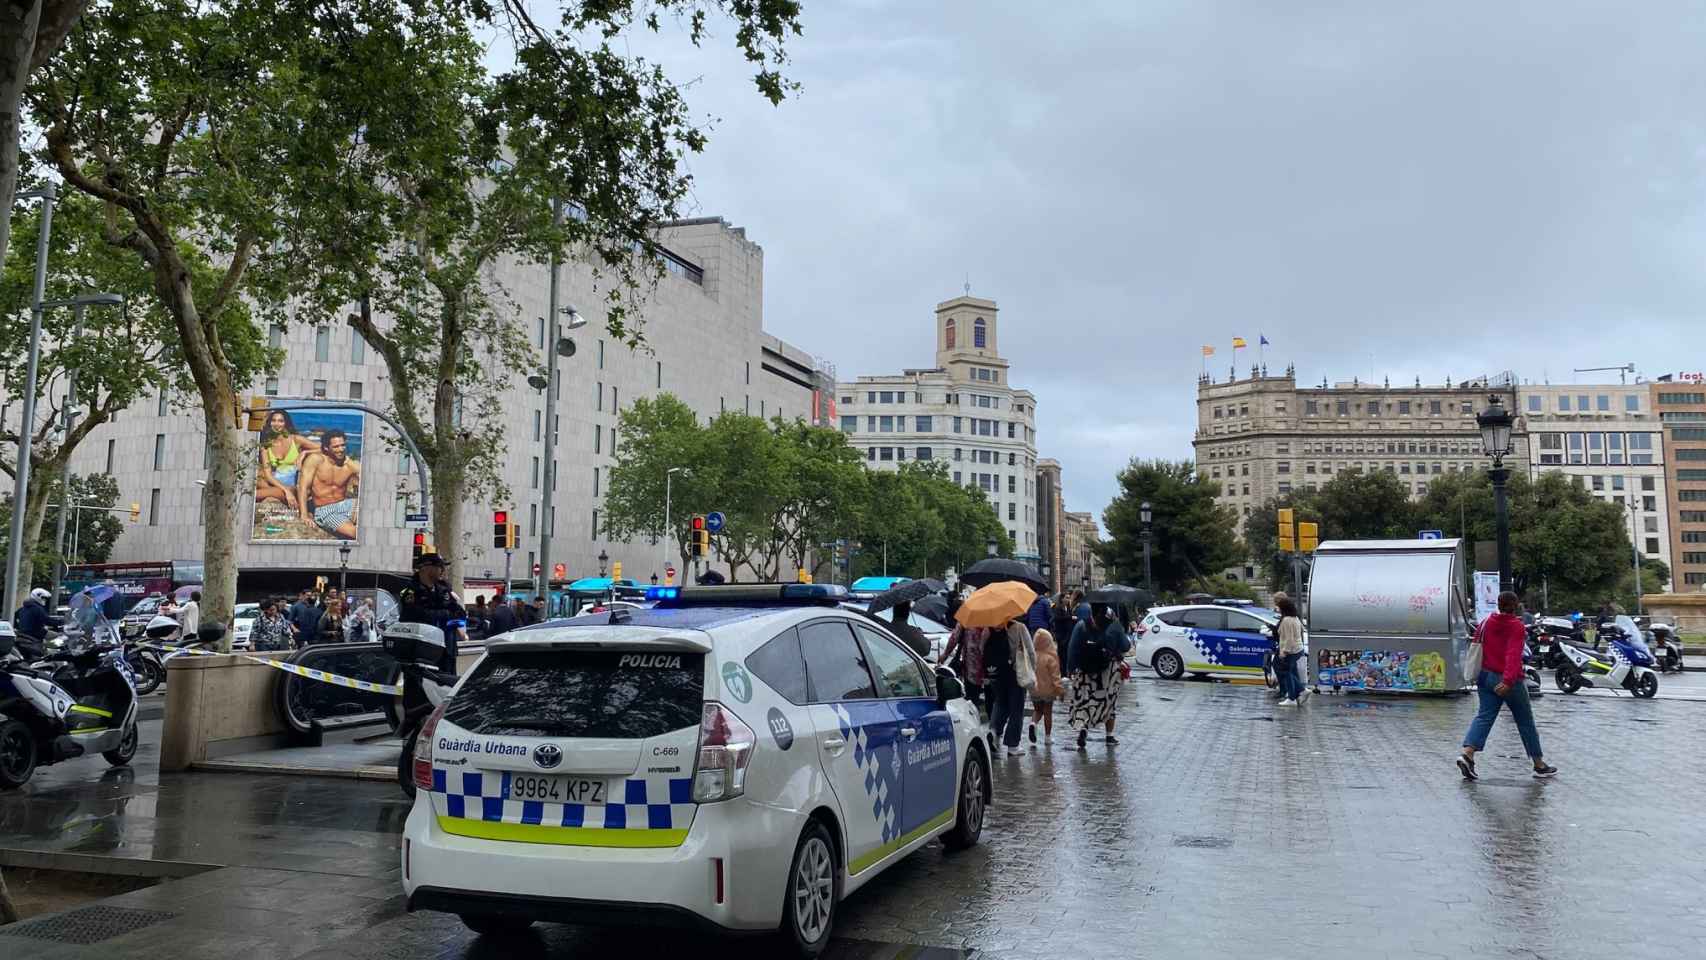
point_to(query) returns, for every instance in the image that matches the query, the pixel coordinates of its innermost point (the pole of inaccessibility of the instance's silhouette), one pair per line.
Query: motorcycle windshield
(1632, 634)
(88, 625)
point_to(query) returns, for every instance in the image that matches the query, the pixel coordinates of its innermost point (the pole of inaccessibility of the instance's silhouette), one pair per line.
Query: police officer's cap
(429, 560)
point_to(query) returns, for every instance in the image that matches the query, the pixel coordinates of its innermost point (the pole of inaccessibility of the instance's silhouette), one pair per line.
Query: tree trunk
(44, 481)
(446, 480)
(226, 475)
(18, 23)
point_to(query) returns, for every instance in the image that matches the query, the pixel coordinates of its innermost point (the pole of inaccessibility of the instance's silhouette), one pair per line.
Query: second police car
(1205, 639)
(736, 757)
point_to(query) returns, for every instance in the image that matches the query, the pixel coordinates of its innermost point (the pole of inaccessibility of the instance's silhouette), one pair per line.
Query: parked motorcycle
(419, 650)
(1628, 664)
(1545, 630)
(1666, 647)
(74, 702)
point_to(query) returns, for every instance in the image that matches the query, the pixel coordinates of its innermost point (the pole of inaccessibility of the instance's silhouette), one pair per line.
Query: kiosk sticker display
(1382, 670)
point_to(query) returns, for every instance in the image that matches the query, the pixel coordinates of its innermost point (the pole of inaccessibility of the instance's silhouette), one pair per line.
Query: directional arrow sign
(714, 522)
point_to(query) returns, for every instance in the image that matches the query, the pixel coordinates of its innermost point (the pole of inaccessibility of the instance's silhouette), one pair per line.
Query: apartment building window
(1246, 470)
(1631, 403)
(885, 453)
(1693, 579)
(1691, 475)
(538, 425)
(1693, 516)
(1682, 398)
(1012, 484)
(749, 371)
(601, 354)
(322, 344)
(1013, 514)
(357, 349)
(1647, 483)
(849, 424)
(319, 390)
(154, 507)
(870, 453)
(1688, 536)
(1343, 408)
(1435, 407)
(925, 453)
(594, 533)
(1602, 402)
(598, 399)
(1534, 403)
(355, 390)
(885, 424)
(1649, 504)
(1311, 407)
(1012, 431)
(1691, 454)
(533, 520)
(271, 388)
(1691, 496)
(957, 452)
(660, 376)
(1582, 403)
(112, 446)
(899, 453)
(1641, 448)
(159, 451)
(917, 398)
(957, 481)
(870, 396)
(1246, 489)
(925, 424)
(1285, 467)
(957, 425)
(1614, 448)
(979, 337)
(597, 438)
(535, 473)
(1217, 412)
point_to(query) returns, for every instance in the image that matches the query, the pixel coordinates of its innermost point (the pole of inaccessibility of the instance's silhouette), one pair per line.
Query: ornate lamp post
(1147, 514)
(1495, 423)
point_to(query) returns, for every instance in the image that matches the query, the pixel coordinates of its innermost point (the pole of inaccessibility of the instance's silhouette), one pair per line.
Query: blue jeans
(1006, 707)
(1285, 671)
(1521, 712)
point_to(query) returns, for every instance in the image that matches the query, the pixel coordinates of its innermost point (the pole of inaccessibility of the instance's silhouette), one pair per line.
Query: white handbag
(1472, 661)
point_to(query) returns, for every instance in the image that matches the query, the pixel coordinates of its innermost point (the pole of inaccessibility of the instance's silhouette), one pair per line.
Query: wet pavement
(1220, 825)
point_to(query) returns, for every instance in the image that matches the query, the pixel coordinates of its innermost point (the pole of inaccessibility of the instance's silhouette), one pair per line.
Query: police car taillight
(725, 747)
(423, 750)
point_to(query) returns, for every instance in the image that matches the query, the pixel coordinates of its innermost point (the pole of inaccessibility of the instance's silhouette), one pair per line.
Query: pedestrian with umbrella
(1098, 647)
(900, 598)
(1000, 608)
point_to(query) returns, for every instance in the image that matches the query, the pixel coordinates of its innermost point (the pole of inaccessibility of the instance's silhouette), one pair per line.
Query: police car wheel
(406, 767)
(1168, 664)
(974, 801)
(17, 754)
(489, 926)
(814, 888)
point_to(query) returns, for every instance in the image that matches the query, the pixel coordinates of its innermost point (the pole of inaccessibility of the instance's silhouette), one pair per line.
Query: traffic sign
(714, 522)
(415, 518)
(1431, 535)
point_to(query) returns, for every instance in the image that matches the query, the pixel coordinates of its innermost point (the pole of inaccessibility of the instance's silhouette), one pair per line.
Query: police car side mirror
(948, 686)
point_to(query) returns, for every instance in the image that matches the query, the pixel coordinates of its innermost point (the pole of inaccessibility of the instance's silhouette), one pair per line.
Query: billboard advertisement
(308, 480)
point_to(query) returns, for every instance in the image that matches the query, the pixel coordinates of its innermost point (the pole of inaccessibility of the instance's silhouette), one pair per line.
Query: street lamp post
(668, 531)
(1146, 513)
(77, 305)
(556, 345)
(26, 422)
(992, 547)
(343, 567)
(1495, 423)
(603, 563)
(1635, 548)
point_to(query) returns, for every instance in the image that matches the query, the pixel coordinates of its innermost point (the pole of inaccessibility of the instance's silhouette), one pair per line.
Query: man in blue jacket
(31, 623)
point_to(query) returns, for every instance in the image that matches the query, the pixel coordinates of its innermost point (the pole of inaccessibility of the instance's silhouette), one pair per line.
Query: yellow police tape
(395, 689)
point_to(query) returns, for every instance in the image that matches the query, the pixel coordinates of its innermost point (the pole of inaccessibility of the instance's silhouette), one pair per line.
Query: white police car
(1204, 639)
(737, 757)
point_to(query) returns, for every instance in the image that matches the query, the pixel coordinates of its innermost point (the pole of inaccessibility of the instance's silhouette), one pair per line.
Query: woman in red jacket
(1501, 683)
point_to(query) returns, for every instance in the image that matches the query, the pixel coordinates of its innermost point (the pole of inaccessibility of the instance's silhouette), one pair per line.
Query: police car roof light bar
(783, 594)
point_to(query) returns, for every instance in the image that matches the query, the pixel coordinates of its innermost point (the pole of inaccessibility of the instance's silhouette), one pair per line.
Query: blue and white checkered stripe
(646, 804)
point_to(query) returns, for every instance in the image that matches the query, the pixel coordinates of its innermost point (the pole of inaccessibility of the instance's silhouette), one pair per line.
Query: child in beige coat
(1048, 688)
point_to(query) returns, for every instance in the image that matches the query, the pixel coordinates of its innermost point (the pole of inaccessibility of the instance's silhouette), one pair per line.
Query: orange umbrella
(996, 604)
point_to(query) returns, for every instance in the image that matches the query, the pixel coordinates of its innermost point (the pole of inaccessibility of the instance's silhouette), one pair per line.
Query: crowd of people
(1002, 666)
(312, 618)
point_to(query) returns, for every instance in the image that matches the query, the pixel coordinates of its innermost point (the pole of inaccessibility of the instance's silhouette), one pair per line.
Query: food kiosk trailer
(1389, 616)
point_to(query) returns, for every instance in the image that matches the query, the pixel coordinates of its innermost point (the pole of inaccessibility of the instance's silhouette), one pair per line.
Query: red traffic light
(500, 516)
(698, 522)
(420, 539)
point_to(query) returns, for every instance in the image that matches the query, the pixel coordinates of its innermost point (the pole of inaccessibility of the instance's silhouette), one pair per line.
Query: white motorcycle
(1627, 664)
(70, 704)
(419, 650)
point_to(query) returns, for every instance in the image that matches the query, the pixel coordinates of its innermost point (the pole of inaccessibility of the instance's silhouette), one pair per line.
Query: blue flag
(1264, 339)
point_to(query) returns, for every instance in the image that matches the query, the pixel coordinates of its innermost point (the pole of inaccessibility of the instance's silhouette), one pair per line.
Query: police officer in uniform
(427, 599)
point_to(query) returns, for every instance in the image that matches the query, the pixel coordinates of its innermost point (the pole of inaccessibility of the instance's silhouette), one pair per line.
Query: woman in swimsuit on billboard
(282, 453)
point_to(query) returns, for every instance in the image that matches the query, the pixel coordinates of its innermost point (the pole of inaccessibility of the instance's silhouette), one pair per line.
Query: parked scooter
(1543, 633)
(420, 652)
(1666, 647)
(77, 701)
(1627, 665)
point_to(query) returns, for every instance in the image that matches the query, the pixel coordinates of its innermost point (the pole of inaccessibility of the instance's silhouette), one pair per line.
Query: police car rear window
(570, 693)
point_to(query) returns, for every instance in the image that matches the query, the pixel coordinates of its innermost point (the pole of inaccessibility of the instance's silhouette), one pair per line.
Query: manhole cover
(87, 925)
(1202, 843)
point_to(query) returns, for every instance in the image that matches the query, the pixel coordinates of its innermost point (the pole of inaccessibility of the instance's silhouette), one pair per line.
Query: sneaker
(1467, 765)
(1033, 732)
(1014, 752)
(1288, 702)
(1545, 772)
(1110, 738)
(992, 744)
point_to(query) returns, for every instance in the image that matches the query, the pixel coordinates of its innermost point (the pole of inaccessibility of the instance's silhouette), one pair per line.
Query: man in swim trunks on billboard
(329, 482)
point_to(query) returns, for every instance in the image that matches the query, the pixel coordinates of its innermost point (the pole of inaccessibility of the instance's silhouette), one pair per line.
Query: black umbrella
(996, 569)
(905, 592)
(1119, 593)
(934, 606)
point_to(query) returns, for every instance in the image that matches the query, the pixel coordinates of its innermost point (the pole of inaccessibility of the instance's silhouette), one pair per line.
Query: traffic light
(1287, 531)
(503, 531)
(616, 570)
(420, 544)
(700, 543)
(804, 576)
(1308, 535)
(135, 512)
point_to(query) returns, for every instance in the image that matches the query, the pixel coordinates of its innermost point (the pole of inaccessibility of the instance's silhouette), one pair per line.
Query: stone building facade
(1681, 407)
(963, 411)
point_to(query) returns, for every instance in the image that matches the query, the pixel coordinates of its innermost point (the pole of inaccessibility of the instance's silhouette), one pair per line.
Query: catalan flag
(1207, 350)
(1238, 343)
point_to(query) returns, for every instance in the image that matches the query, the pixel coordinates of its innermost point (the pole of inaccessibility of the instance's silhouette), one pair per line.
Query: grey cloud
(1421, 190)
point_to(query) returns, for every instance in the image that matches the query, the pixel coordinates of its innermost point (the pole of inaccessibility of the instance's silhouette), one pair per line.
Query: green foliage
(1194, 537)
(1351, 506)
(94, 533)
(788, 491)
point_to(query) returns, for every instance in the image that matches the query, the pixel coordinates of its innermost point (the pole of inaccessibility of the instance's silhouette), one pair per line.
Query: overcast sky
(1383, 189)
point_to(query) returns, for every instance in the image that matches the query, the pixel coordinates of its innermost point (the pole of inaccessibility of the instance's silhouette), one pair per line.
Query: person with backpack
(1098, 648)
(1047, 688)
(1012, 658)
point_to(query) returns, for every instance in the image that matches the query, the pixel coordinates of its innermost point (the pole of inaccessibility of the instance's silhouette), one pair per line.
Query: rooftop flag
(1238, 343)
